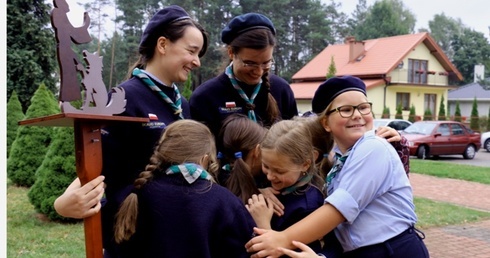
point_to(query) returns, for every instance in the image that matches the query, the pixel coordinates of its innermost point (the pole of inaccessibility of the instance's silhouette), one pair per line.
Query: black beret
(331, 88)
(163, 17)
(243, 23)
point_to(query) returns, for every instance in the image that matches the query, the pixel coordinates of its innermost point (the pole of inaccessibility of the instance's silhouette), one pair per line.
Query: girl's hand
(81, 201)
(306, 251)
(270, 195)
(267, 243)
(390, 134)
(261, 210)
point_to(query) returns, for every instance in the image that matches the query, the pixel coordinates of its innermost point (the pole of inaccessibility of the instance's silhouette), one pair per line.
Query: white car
(485, 141)
(397, 124)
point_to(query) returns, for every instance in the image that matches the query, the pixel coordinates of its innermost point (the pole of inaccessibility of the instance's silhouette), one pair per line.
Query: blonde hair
(183, 141)
(293, 139)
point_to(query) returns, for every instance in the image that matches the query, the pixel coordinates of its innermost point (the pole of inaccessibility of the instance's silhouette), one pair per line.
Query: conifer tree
(187, 91)
(411, 115)
(474, 120)
(457, 112)
(442, 110)
(332, 69)
(488, 120)
(14, 115)
(56, 172)
(30, 145)
(398, 114)
(428, 115)
(386, 112)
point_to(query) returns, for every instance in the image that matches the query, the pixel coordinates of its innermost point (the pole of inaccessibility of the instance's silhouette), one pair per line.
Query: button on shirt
(373, 193)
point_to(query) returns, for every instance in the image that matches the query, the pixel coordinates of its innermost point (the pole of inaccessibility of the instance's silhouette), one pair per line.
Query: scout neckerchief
(250, 101)
(190, 171)
(176, 106)
(339, 163)
(302, 181)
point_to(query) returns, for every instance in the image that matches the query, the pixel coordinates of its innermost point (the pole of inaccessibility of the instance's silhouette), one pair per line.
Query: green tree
(411, 115)
(488, 120)
(470, 48)
(457, 112)
(428, 115)
(332, 70)
(56, 172)
(474, 120)
(31, 58)
(443, 29)
(442, 110)
(187, 91)
(14, 115)
(384, 19)
(386, 112)
(398, 114)
(30, 145)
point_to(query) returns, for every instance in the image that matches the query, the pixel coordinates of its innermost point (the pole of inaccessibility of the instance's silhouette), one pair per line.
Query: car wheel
(470, 152)
(422, 152)
(487, 145)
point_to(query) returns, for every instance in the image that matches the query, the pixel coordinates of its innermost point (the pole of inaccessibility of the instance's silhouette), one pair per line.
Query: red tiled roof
(306, 90)
(381, 56)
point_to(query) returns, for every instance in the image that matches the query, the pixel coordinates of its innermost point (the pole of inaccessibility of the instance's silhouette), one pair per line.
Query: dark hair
(239, 134)
(182, 141)
(259, 39)
(173, 32)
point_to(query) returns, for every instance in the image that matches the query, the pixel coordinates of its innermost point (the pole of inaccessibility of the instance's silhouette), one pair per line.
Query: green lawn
(29, 235)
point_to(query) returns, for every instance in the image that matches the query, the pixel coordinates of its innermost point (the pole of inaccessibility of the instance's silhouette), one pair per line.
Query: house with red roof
(406, 69)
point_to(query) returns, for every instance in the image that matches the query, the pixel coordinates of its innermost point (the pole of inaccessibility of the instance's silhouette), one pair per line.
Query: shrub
(457, 113)
(386, 112)
(398, 114)
(428, 115)
(14, 115)
(442, 110)
(474, 124)
(411, 115)
(31, 143)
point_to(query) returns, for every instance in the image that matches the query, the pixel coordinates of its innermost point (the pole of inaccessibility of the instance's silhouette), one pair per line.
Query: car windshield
(420, 128)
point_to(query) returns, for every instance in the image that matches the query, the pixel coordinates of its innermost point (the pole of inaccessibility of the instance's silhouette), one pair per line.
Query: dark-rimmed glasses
(252, 65)
(348, 110)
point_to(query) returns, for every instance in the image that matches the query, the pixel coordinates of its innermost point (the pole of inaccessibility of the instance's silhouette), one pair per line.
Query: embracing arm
(307, 230)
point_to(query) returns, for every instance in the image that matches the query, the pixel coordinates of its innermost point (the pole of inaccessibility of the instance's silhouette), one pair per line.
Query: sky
(474, 14)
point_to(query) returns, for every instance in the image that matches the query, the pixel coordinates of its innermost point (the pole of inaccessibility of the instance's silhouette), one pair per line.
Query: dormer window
(417, 71)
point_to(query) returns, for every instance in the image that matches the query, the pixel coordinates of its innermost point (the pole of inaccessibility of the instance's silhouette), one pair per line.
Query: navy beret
(163, 17)
(331, 88)
(243, 23)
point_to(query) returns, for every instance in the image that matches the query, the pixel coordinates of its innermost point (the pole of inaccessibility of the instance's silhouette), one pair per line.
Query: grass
(29, 235)
(455, 171)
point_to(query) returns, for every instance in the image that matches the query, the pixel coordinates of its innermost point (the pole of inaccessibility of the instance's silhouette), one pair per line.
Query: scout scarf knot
(176, 106)
(302, 181)
(250, 101)
(190, 171)
(339, 163)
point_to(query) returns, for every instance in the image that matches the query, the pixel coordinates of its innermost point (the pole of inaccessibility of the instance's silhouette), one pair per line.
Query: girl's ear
(161, 44)
(306, 165)
(204, 162)
(230, 53)
(325, 125)
(256, 151)
(316, 154)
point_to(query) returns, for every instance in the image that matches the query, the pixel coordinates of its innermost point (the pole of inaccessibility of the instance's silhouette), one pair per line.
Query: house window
(430, 103)
(417, 71)
(403, 98)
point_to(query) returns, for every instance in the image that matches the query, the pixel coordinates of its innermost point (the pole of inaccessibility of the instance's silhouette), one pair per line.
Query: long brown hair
(241, 135)
(182, 141)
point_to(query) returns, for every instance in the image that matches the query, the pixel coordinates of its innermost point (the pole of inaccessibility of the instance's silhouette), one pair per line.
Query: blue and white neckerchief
(302, 181)
(190, 171)
(176, 106)
(337, 167)
(250, 101)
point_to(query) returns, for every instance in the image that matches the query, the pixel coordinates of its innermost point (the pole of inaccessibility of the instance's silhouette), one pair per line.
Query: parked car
(433, 138)
(485, 141)
(397, 124)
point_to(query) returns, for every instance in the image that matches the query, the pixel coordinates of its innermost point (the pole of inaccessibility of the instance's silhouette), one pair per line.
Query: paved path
(456, 241)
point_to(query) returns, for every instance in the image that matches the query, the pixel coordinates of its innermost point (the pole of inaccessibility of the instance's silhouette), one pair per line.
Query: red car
(433, 138)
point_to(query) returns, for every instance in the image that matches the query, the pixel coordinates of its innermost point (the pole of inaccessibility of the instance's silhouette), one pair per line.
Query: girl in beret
(247, 85)
(176, 209)
(369, 202)
(170, 48)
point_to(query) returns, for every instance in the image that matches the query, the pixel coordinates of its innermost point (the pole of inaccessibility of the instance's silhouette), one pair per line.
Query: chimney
(479, 73)
(356, 49)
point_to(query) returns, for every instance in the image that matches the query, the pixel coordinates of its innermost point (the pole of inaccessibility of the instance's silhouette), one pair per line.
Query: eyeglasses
(252, 65)
(348, 110)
